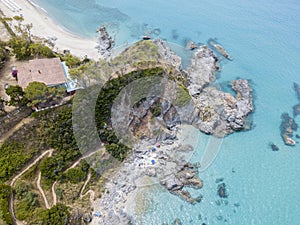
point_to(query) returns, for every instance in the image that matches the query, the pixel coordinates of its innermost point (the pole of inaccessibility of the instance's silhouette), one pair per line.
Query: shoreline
(124, 199)
(44, 26)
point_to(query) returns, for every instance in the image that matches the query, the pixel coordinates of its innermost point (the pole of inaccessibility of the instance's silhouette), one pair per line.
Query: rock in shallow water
(105, 43)
(296, 110)
(274, 147)
(222, 192)
(287, 127)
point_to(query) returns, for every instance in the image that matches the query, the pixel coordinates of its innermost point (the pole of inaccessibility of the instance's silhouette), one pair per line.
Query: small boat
(220, 49)
(146, 37)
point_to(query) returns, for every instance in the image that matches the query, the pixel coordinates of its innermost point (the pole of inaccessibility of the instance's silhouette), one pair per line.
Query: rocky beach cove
(159, 155)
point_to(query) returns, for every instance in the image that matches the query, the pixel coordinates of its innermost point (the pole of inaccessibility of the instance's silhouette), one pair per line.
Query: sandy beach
(44, 26)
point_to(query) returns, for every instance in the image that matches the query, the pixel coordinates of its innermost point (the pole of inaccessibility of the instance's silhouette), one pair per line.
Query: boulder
(222, 192)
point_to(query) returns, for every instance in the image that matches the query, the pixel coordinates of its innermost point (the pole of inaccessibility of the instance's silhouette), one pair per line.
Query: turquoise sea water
(263, 38)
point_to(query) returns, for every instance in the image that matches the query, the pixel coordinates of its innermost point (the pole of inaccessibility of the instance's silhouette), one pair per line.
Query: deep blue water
(263, 38)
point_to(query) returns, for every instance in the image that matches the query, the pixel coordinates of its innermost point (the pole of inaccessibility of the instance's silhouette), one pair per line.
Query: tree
(38, 49)
(16, 95)
(5, 192)
(58, 215)
(2, 105)
(39, 94)
(20, 46)
(3, 55)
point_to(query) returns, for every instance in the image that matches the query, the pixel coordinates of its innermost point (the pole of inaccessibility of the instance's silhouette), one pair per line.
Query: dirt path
(38, 183)
(15, 128)
(88, 178)
(85, 156)
(91, 192)
(54, 194)
(12, 183)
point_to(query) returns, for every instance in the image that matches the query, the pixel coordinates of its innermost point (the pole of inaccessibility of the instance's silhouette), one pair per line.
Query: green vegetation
(17, 96)
(182, 96)
(5, 192)
(8, 28)
(105, 100)
(3, 54)
(27, 201)
(38, 94)
(58, 215)
(2, 105)
(12, 158)
(71, 61)
(77, 174)
(155, 109)
(55, 128)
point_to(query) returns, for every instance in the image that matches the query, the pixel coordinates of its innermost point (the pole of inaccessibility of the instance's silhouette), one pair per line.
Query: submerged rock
(274, 147)
(297, 89)
(177, 222)
(296, 110)
(222, 192)
(218, 180)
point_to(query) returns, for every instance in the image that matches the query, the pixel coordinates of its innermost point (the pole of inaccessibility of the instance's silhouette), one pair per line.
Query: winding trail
(38, 183)
(12, 183)
(86, 156)
(54, 194)
(92, 193)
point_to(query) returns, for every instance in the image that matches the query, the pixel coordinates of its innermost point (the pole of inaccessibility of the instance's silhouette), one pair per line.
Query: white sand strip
(44, 26)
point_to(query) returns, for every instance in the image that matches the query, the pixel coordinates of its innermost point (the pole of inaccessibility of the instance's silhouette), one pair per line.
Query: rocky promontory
(202, 69)
(105, 43)
(221, 113)
(155, 121)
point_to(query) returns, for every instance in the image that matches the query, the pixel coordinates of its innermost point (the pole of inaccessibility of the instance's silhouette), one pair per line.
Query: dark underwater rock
(297, 89)
(287, 127)
(222, 192)
(177, 222)
(274, 147)
(296, 110)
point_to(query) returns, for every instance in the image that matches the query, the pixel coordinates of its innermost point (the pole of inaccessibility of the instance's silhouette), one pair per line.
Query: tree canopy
(39, 94)
(16, 95)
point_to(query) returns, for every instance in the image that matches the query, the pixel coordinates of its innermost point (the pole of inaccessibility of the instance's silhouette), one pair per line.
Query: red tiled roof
(48, 71)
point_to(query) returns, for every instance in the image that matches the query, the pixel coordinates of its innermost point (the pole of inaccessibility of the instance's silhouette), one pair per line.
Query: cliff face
(220, 113)
(200, 104)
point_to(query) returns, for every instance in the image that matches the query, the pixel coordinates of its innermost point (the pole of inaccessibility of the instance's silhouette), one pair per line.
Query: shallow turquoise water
(263, 38)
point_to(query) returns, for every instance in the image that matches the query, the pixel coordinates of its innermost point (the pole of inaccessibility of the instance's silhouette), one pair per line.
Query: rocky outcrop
(186, 175)
(105, 43)
(220, 113)
(167, 54)
(202, 68)
(191, 45)
(222, 192)
(287, 128)
(274, 147)
(219, 48)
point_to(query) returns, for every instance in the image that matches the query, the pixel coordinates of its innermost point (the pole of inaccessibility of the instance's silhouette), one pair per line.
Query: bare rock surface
(202, 68)
(105, 43)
